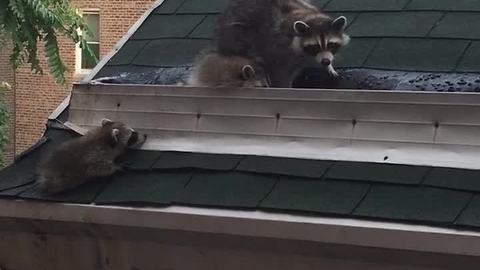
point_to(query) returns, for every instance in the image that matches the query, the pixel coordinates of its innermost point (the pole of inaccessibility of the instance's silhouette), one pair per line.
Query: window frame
(78, 51)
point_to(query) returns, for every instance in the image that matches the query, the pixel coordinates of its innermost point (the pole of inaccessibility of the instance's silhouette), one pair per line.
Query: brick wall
(7, 75)
(36, 96)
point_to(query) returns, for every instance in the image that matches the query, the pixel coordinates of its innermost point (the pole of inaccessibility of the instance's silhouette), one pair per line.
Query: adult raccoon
(284, 34)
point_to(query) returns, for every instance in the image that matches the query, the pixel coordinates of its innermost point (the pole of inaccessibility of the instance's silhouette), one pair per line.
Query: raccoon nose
(326, 62)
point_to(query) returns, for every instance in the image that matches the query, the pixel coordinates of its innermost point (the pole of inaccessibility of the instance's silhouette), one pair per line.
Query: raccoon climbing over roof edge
(86, 158)
(215, 70)
(284, 34)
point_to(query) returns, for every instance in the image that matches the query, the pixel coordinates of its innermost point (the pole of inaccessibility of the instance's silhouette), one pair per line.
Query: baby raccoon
(86, 158)
(215, 70)
(284, 34)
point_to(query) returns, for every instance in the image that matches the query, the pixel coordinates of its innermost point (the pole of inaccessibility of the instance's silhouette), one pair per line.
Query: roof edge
(256, 224)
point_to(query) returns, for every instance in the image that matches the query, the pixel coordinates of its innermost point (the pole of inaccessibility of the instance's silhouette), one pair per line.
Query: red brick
(36, 96)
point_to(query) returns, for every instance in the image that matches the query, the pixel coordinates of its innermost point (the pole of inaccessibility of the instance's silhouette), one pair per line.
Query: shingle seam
(324, 175)
(18, 186)
(138, 52)
(260, 202)
(472, 197)
(436, 24)
(407, 4)
(179, 6)
(102, 189)
(235, 168)
(150, 168)
(197, 25)
(189, 179)
(28, 189)
(354, 20)
(424, 177)
(352, 213)
(460, 59)
(325, 5)
(372, 50)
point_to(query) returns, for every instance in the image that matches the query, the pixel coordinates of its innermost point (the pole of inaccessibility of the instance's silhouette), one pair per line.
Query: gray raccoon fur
(284, 34)
(215, 70)
(86, 158)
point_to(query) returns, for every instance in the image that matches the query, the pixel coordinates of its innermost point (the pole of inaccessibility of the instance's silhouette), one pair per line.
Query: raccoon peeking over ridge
(284, 34)
(215, 70)
(86, 158)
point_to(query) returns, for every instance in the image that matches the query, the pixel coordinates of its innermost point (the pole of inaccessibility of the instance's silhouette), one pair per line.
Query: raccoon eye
(333, 47)
(313, 49)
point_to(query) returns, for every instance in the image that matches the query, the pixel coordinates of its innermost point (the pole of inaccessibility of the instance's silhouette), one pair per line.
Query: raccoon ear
(339, 23)
(248, 72)
(106, 122)
(301, 27)
(115, 133)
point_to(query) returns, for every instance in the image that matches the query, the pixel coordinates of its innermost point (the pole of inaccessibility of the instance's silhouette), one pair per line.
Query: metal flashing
(371, 126)
(60, 109)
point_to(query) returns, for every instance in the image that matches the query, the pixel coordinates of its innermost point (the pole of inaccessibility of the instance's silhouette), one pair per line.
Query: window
(84, 63)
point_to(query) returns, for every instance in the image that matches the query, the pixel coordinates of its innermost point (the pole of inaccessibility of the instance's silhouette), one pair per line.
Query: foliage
(28, 22)
(3, 121)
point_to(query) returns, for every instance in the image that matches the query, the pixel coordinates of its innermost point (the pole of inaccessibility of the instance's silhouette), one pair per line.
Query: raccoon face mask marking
(321, 42)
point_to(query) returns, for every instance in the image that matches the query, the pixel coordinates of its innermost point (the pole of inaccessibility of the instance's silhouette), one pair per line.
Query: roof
(366, 126)
(413, 194)
(419, 36)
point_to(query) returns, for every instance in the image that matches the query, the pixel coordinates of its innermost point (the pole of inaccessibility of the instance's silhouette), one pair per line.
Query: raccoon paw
(332, 72)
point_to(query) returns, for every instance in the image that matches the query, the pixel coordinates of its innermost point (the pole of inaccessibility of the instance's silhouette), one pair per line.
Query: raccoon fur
(284, 34)
(215, 70)
(86, 158)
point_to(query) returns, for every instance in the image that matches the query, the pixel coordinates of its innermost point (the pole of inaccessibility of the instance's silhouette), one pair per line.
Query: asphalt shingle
(144, 187)
(127, 53)
(413, 204)
(356, 53)
(471, 215)
(170, 52)
(417, 54)
(83, 194)
(284, 166)
(365, 5)
(374, 172)
(320, 3)
(446, 5)
(206, 29)
(315, 196)
(140, 159)
(183, 160)
(460, 25)
(167, 26)
(226, 189)
(168, 7)
(400, 24)
(468, 180)
(204, 6)
(470, 62)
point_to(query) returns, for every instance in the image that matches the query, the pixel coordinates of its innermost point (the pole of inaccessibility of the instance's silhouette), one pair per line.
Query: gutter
(260, 224)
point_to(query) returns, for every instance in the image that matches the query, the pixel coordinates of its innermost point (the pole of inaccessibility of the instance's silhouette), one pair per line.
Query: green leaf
(25, 23)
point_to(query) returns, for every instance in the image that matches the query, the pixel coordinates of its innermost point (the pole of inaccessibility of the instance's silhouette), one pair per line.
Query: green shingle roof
(399, 193)
(411, 35)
